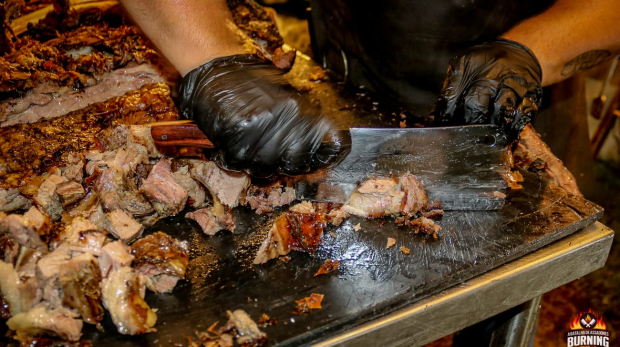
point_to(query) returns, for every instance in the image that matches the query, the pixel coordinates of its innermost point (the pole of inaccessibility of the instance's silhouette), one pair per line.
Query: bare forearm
(571, 36)
(188, 32)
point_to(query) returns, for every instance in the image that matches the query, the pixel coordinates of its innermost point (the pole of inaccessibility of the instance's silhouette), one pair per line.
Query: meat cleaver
(462, 168)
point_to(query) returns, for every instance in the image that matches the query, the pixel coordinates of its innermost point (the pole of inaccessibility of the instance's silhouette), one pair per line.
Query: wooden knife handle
(180, 135)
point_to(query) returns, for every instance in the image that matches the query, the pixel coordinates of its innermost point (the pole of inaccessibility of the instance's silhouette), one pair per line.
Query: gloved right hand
(258, 122)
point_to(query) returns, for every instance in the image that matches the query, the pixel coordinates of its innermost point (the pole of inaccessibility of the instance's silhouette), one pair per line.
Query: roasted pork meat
(80, 280)
(263, 199)
(213, 219)
(225, 186)
(161, 259)
(123, 296)
(44, 319)
(165, 194)
(292, 231)
(387, 196)
(532, 154)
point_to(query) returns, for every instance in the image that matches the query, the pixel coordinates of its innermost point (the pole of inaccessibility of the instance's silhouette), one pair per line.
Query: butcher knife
(462, 168)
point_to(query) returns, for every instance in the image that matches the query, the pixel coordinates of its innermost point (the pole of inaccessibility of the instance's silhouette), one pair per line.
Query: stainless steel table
(499, 290)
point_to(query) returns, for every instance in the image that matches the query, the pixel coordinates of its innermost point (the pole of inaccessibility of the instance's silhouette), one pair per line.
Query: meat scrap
(266, 321)
(532, 153)
(165, 194)
(422, 224)
(114, 256)
(196, 194)
(390, 242)
(162, 259)
(405, 250)
(226, 186)
(45, 319)
(11, 200)
(292, 231)
(123, 296)
(80, 280)
(123, 226)
(327, 267)
(307, 304)
(334, 213)
(213, 219)
(387, 196)
(247, 332)
(263, 199)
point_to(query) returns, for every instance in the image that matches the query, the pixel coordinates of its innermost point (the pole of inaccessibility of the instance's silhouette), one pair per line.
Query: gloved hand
(497, 82)
(258, 122)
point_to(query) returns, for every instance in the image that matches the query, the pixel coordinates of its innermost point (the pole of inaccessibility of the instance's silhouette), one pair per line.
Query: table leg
(511, 328)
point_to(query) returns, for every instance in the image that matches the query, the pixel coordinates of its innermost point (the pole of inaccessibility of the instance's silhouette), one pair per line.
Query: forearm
(188, 32)
(571, 36)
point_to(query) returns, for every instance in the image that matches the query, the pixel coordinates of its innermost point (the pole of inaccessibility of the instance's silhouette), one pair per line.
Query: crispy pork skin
(123, 226)
(162, 259)
(213, 219)
(165, 194)
(11, 200)
(114, 256)
(123, 296)
(43, 319)
(292, 231)
(226, 186)
(387, 196)
(80, 280)
(263, 199)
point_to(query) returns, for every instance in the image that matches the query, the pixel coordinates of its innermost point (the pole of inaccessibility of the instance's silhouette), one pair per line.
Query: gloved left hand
(496, 82)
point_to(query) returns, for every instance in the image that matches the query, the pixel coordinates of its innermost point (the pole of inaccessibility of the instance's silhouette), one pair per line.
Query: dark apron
(401, 49)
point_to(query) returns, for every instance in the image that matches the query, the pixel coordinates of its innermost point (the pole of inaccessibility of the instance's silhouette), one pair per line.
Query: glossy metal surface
(486, 295)
(459, 166)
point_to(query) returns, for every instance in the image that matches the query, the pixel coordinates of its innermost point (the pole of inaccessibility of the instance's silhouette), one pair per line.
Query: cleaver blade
(461, 167)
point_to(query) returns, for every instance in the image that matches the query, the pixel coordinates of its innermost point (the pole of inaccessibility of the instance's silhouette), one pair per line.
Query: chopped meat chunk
(70, 192)
(12, 200)
(292, 231)
(263, 199)
(305, 305)
(166, 195)
(117, 192)
(48, 269)
(303, 207)
(327, 267)
(123, 296)
(86, 206)
(122, 226)
(75, 170)
(387, 196)
(114, 256)
(9, 288)
(213, 219)
(43, 319)
(80, 280)
(196, 194)
(248, 333)
(226, 186)
(334, 213)
(130, 156)
(23, 230)
(26, 262)
(162, 259)
(48, 198)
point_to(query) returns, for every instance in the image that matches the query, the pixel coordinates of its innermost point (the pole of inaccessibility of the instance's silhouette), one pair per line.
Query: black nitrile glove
(497, 82)
(258, 122)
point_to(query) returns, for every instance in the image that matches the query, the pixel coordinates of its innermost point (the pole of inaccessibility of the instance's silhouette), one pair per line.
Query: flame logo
(588, 317)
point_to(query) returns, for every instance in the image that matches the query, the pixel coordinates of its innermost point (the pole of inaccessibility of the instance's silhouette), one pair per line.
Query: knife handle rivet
(164, 137)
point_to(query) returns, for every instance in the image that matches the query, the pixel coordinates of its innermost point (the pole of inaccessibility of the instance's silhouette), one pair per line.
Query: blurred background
(580, 127)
